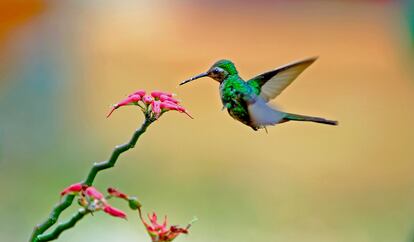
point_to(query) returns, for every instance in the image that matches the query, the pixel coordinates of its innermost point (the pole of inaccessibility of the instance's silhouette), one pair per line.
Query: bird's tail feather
(297, 117)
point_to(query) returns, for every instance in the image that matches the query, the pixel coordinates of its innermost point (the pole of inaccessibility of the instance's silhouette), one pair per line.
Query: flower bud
(131, 99)
(157, 94)
(156, 108)
(72, 189)
(135, 98)
(114, 212)
(167, 98)
(114, 192)
(168, 105)
(93, 193)
(140, 92)
(134, 204)
(147, 99)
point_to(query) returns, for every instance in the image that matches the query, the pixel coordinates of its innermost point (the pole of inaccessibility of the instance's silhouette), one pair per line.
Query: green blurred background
(62, 63)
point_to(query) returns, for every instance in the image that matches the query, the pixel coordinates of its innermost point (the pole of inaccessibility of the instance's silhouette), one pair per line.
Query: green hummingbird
(247, 101)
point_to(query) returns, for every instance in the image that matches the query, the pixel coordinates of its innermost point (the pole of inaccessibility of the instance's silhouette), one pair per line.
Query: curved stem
(119, 149)
(53, 217)
(38, 231)
(63, 226)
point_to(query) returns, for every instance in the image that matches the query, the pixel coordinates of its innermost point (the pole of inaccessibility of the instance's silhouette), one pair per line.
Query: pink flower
(114, 211)
(131, 99)
(93, 193)
(154, 105)
(157, 94)
(114, 192)
(160, 232)
(147, 99)
(72, 189)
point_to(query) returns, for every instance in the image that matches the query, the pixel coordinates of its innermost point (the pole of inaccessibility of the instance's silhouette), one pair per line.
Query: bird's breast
(237, 108)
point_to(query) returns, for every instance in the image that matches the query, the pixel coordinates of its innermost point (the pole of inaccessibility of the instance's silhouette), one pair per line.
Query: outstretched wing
(271, 84)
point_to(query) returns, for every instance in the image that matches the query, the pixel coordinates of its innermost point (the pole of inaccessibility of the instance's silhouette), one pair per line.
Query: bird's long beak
(195, 77)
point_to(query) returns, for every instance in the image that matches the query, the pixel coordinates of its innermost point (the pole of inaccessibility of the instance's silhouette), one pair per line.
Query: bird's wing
(270, 84)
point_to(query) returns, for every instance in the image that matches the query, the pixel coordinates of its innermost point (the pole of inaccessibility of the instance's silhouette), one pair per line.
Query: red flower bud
(114, 212)
(72, 189)
(114, 192)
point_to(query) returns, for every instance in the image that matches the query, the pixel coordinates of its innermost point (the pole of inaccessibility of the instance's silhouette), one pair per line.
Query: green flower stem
(38, 231)
(115, 154)
(53, 217)
(63, 226)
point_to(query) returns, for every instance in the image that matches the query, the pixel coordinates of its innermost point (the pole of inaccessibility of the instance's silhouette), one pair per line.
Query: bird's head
(218, 71)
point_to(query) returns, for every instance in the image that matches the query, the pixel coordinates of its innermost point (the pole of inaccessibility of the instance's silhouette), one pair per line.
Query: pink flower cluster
(160, 232)
(93, 200)
(155, 104)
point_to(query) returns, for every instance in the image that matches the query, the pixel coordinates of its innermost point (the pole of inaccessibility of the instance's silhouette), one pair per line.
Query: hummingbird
(247, 101)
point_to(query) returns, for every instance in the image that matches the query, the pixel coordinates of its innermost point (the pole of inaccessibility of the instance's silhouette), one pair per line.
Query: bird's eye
(216, 71)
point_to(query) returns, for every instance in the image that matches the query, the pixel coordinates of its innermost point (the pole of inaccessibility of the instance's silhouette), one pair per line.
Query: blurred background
(63, 63)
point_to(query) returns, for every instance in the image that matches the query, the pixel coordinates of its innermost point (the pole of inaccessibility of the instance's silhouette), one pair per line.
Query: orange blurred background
(63, 63)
